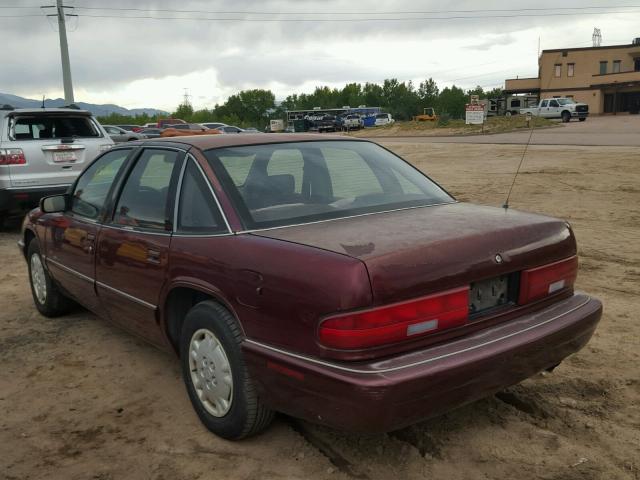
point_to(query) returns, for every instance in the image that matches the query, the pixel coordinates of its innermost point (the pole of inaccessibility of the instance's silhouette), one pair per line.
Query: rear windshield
(290, 183)
(36, 127)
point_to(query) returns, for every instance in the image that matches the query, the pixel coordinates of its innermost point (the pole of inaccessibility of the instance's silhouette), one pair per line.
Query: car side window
(544, 103)
(93, 186)
(553, 103)
(144, 201)
(197, 209)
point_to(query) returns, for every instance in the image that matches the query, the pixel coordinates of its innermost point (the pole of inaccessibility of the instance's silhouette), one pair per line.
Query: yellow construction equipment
(428, 115)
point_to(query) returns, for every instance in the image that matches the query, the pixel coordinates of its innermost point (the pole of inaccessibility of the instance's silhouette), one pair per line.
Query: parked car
(352, 122)
(251, 130)
(42, 151)
(118, 134)
(151, 132)
(150, 125)
(130, 128)
(321, 277)
(165, 122)
(213, 125)
(188, 126)
(324, 123)
(383, 119)
(563, 108)
(229, 129)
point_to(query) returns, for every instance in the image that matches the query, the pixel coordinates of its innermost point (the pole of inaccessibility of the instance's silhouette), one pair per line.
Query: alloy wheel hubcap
(38, 279)
(210, 372)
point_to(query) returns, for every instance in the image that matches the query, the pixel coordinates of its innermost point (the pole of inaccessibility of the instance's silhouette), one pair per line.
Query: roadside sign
(474, 114)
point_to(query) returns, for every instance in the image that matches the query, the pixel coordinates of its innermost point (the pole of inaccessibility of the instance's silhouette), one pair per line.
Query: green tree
(452, 101)
(183, 112)
(428, 92)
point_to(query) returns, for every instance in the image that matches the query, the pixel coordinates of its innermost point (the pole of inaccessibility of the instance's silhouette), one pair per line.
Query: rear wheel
(215, 374)
(566, 117)
(49, 301)
(508, 114)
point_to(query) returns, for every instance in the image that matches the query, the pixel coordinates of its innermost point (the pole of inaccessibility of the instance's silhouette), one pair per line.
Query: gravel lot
(82, 400)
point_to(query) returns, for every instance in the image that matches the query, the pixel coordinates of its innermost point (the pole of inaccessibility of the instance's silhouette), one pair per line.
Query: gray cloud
(107, 53)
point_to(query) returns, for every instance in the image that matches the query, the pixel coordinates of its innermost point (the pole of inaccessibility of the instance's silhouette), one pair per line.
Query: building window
(570, 69)
(557, 70)
(603, 67)
(616, 66)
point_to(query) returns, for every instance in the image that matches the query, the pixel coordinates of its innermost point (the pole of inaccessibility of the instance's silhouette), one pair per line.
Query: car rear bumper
(387, 394)
(20, 199)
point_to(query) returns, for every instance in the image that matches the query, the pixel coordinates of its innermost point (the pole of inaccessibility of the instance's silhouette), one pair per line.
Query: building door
(608, 102)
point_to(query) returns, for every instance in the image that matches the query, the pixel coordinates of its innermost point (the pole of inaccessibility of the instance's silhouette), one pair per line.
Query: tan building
(606, 78)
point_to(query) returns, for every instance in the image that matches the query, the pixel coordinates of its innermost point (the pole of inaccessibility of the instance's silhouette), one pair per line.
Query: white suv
(42, 151)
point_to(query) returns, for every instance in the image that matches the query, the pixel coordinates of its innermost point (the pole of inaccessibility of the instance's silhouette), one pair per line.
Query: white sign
(474, 114)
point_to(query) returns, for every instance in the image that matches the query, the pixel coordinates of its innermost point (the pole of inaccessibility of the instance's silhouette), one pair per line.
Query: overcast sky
(144, 62)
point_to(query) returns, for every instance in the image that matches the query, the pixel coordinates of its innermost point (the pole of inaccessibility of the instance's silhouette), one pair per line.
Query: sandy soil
(82, 400)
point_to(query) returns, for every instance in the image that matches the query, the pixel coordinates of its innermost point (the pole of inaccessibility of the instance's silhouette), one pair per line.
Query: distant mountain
(98, 110)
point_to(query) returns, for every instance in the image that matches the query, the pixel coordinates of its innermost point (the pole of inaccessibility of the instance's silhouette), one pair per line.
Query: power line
(400, 12)
(341, 20)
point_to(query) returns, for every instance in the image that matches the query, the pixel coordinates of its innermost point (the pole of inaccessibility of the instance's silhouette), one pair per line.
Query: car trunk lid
(414, 252)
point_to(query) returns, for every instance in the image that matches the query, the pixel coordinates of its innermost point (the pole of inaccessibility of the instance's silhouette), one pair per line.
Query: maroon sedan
(325, 278)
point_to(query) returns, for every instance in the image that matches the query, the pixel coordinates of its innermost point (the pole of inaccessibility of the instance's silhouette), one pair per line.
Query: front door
(70, 245)
(133, 246)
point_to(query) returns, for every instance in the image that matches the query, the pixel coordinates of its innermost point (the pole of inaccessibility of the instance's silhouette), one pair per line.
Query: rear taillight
(12, 156)
(397, 322)
(539, 282)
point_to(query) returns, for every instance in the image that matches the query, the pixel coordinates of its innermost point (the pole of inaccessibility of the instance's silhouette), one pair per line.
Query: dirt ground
(79, 399)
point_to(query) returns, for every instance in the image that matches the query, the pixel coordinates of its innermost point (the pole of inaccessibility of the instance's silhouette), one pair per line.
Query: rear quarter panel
(278, 290)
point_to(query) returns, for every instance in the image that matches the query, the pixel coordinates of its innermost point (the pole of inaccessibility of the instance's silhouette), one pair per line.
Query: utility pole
(64, 49)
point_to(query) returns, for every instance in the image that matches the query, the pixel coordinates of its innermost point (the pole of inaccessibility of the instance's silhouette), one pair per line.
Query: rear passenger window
(197, 211)
(93, 186)
(144, 201)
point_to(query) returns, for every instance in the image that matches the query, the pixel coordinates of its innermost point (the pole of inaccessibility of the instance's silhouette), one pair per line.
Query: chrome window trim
(176, 201)
(126, 228)
(69, 270)
(127, 296)
(238, 232)
(421, 362)
(215, 197)
(34, 187)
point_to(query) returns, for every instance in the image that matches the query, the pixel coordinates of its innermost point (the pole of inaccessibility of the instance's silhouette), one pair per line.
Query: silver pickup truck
(42, 151)
(564, 108)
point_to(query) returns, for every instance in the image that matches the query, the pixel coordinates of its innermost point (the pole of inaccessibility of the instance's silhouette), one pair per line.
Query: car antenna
(505, 205)
(42, 101)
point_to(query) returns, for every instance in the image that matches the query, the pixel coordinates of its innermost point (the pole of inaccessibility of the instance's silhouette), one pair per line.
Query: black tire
(582, 119)
(54, 303)
(566, 117)
(246, 414)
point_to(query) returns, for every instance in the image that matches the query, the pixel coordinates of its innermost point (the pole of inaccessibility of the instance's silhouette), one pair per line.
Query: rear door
(57, 146)
(133, 246)
(70, 242)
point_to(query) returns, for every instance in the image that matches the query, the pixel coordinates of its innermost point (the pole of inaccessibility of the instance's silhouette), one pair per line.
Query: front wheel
(49, 301)
(508, 114)
(582, 119)
(566, 117)
(215, 374)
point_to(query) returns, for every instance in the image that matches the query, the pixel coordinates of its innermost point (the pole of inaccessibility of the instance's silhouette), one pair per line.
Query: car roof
(207, 142)
(49, 110)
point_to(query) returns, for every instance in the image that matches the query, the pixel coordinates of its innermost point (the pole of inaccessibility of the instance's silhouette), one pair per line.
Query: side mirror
(54, 204)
